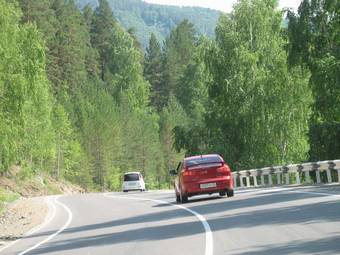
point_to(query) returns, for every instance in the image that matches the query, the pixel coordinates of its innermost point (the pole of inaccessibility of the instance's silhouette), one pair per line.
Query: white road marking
(70, 216)
(297, 189)
(316, 193)
(209, 244)
(262, 190)
(48, 218)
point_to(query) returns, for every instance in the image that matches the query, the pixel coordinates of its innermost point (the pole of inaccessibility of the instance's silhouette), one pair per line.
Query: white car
(133, 181)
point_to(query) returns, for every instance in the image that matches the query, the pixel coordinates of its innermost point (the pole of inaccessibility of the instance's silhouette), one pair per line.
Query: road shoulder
(20, 217)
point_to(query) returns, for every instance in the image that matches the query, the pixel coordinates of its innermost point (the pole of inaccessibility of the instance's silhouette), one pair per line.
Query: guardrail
(307, 173)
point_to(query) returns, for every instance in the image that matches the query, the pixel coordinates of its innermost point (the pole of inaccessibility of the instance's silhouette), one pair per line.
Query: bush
(6, 196)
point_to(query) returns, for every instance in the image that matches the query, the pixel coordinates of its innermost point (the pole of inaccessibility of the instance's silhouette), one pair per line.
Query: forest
(145, 18)
(80, 99)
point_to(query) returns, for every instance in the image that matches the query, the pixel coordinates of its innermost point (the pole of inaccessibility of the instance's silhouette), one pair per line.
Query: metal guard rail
(291, 173)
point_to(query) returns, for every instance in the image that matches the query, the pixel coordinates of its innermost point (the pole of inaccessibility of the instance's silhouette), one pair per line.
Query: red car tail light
(223, 170)
(187, 173)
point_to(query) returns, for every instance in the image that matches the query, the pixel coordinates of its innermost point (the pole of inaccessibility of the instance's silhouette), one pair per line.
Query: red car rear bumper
(191, 189)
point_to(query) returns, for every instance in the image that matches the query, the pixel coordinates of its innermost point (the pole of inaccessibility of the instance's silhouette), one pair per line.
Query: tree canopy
(81, 101)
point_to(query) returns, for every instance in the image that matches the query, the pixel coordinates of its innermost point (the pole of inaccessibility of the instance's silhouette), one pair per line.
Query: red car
(204, 174)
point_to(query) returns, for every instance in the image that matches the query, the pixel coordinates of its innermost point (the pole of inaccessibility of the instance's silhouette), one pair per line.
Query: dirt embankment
(38, 186)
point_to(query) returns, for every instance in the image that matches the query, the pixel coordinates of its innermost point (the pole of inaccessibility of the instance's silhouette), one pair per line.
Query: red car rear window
(203, 160)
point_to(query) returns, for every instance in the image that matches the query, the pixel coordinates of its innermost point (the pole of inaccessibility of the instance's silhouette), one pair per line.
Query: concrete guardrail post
(248, 181)
(278, 176)
(287, 178)
(297, 174)
(262, 180)
(307, 177)
(329, 176)
(318, 178)
(235, 180)
(255, 180)
(241, 182)
(270, 180)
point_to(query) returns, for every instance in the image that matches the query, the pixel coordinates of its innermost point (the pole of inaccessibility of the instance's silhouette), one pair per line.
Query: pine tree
(42, 14)
(153, 72)
(137, 45)
(71, 45)
(178, 51)
(101, 34)
(192, 94)
(92, 56)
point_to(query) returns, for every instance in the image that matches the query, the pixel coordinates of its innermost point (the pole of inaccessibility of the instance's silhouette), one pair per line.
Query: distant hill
(146, 18)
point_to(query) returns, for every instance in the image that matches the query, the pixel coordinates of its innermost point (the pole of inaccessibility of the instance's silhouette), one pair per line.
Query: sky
(222, 5)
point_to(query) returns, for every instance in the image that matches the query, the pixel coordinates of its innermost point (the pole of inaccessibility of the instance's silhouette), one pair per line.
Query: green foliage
(192, 93)
(25, 107)
(85, 105)
(260, 109)
(153, 71)
(6, 196)
(11, 84)
(178, 52)
(325, 141)
(41, 13)
(27, 172)
(51, 188)
(314, 43)
(67, 148)
(38, 137)
(171, 117)
(120, 63)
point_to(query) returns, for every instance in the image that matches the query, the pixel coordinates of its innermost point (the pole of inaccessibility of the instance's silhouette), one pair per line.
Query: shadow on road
(135, 235)
(190, 201)
(324, 246)
(249, 202)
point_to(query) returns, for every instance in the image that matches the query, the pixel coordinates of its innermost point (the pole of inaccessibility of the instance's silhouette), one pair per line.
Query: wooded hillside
(80, 101)
(144, 18)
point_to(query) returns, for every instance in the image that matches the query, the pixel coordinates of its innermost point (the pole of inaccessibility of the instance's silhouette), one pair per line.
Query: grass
(52, 189)
(6, 196)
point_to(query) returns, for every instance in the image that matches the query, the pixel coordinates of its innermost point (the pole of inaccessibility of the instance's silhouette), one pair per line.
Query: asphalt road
(303, 220)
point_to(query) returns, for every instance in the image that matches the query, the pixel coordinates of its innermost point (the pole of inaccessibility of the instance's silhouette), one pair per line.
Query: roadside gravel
(21, 216)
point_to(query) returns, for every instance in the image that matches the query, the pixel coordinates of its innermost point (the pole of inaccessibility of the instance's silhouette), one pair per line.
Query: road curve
(294, 220)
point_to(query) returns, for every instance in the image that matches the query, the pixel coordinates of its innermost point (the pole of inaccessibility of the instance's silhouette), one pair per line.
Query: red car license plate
(208, 185)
